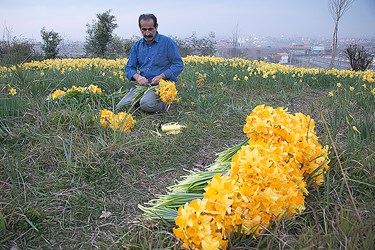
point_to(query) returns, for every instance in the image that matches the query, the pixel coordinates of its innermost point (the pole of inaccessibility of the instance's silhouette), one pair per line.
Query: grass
(61, 172)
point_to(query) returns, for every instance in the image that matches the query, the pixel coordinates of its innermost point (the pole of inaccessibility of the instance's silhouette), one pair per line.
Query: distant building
(298, 49)
(318, 50)
(281, 58)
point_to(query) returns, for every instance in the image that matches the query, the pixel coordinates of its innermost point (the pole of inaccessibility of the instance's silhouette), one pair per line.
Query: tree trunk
(334, 45)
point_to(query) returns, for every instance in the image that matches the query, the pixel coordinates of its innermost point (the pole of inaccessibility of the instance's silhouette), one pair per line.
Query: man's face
(148, 30)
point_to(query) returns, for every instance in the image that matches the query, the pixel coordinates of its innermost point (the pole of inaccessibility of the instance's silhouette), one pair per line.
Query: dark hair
(148, 17)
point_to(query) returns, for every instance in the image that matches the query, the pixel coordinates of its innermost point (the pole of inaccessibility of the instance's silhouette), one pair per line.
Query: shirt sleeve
(177, 64)
(131, 65)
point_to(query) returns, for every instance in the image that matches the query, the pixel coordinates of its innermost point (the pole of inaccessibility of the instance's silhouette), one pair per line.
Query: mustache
(147, 36)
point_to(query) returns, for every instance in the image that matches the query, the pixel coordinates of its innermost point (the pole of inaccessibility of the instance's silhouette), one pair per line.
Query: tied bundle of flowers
(189, 188)
(166, 90)
(91, 89)
(293, 134)
(267, 181)
(122, 121)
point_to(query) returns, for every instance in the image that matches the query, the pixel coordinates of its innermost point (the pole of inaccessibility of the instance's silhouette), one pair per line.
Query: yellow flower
(266, 180)
(167, 91)
(339, 85)
(330, 93)
(94, 89)
(57, 94)
(122, 121)
(12, 91)
(351, 88)
(355, 129)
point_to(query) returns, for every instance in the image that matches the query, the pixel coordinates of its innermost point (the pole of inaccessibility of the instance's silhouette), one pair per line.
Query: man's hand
(141, 80)
(156, 79)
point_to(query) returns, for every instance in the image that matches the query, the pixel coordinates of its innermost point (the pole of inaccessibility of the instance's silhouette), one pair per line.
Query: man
(151, 59)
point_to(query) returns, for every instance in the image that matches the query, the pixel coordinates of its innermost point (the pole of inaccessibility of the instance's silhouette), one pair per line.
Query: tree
(360, 59)
(120, 47)
(204, 46)
(184, 47)
(51, 41)
(14, 50)
(100, 34)
(337, 8)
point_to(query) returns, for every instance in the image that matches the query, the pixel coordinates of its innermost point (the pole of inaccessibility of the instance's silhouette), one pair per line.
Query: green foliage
(183, 46)
(15, 51)
(51, 41)
(100, 34)
(119, 47)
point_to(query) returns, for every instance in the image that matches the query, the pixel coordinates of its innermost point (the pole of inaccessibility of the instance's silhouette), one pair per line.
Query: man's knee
(150, 106)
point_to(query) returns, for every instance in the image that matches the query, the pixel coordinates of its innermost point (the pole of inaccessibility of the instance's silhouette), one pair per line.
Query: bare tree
(337, 8)
(360, 58)
(235, 43)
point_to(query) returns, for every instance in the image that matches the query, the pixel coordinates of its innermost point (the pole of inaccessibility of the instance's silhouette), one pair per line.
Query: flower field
(269, 157)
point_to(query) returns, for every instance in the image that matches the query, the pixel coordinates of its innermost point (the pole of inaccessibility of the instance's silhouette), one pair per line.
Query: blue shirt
(160, 56)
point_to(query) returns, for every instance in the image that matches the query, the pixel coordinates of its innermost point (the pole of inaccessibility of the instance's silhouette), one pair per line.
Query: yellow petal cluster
(267, 181)
(58, 94)
(12, 91)
(293, 134)
(167, 91)
(122, 121)
(201, 77)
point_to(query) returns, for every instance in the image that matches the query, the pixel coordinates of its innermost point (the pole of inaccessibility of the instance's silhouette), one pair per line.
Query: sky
(276, 18)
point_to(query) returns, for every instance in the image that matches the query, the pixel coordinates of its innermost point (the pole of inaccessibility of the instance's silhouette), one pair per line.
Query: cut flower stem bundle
(166, 90)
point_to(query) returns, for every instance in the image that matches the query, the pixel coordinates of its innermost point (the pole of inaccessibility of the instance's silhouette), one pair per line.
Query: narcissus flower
(266, 181)
(167, 91)
(57, 94)
(122, 121)
(12, 91)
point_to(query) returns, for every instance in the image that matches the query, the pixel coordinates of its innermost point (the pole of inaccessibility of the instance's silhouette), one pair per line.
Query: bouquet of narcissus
(266, 180)
(92, 89)
(122, 121)
(167, 91)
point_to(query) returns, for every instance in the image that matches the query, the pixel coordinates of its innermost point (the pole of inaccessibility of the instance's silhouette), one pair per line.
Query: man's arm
(176, 62)
(131, 65)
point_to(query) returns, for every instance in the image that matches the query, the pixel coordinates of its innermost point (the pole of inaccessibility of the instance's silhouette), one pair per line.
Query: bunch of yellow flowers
(267, 181)
(122, 121)
(58, 94)
(167, 91)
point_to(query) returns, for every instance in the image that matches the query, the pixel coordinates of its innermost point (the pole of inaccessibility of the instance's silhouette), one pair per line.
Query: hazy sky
(306, 18)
